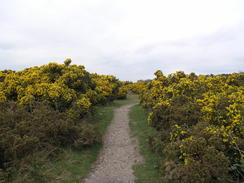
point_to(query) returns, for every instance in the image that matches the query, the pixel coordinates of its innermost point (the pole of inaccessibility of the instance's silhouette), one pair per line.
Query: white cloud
(129, 39)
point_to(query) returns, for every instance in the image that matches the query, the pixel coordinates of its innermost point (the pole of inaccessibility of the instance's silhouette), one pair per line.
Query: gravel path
(119, 153)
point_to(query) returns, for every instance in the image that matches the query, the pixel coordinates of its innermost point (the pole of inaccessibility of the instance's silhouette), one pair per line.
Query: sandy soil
(119, 153)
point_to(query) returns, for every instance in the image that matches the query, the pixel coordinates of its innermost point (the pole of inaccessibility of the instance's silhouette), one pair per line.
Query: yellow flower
(225, 140)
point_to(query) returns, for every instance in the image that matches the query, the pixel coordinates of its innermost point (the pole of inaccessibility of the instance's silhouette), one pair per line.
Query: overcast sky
(130, 39)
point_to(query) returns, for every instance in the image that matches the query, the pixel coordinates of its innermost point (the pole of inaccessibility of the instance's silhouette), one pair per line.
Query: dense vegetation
(199, 123)
(45, 108)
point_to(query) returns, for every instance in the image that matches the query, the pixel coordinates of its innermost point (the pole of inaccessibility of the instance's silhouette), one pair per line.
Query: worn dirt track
(119, 153)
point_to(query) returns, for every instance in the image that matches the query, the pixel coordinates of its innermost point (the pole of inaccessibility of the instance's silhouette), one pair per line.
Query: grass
(73, 165)
(148, 172)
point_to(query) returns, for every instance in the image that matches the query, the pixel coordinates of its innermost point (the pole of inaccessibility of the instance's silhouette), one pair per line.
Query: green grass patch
(72, 166)
(148, 172)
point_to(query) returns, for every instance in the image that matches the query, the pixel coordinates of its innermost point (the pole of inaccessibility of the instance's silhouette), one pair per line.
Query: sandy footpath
(119, 153)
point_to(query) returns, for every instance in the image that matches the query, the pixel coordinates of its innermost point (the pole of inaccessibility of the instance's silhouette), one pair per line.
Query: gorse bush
(44, 108)
(199, 120)
(137, 87)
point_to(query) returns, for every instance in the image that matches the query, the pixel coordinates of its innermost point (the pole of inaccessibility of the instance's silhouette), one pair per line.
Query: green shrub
(199, 123)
